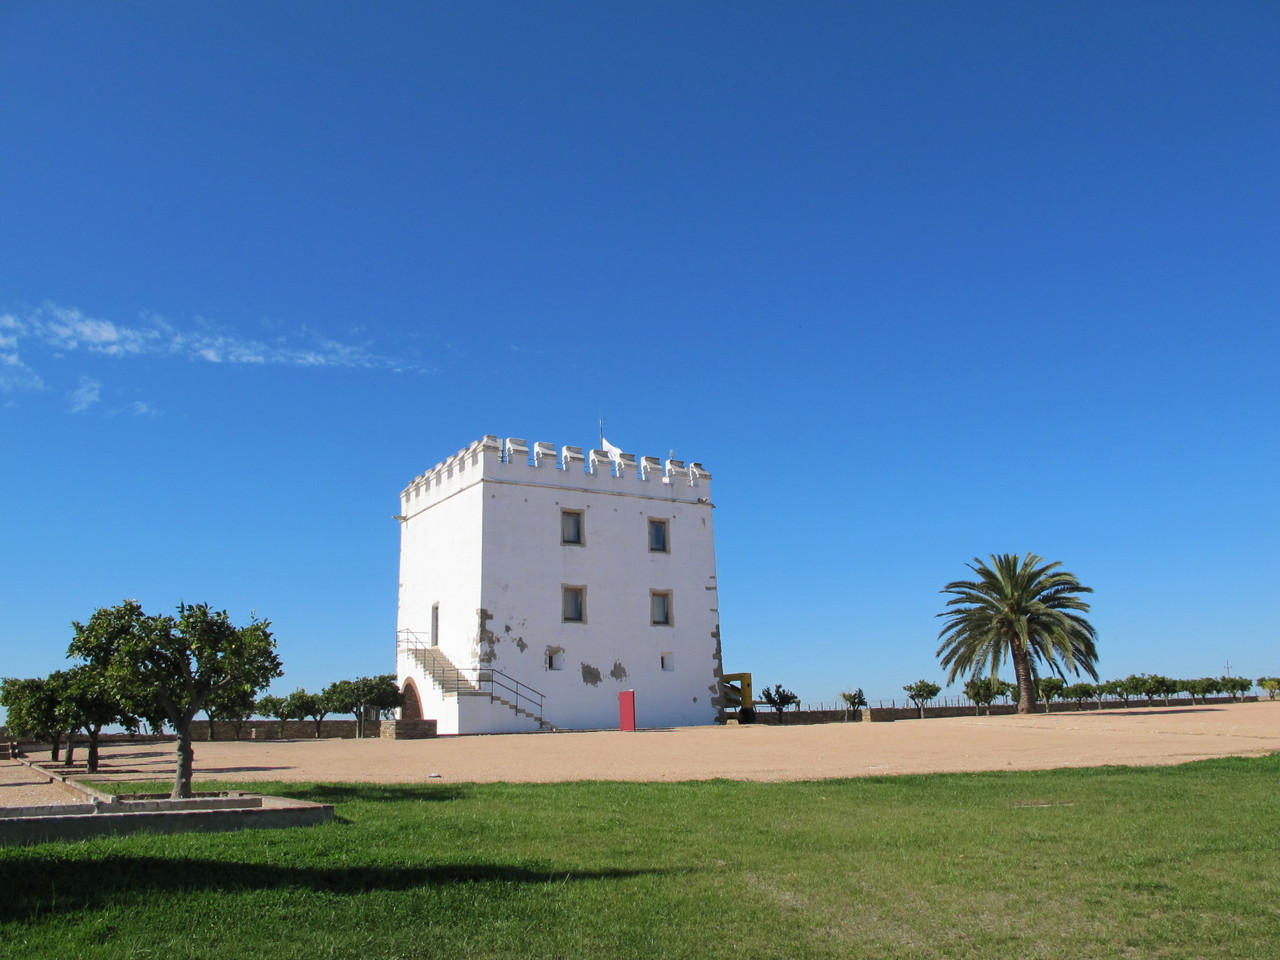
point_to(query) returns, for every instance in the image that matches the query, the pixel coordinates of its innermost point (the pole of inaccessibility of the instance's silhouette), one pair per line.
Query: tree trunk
(92, 765)
(186, 758)
(71, 747)
(57, 747)
(1022, 674)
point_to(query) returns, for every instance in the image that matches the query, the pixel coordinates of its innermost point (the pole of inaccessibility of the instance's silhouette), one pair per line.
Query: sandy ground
(1143, 736)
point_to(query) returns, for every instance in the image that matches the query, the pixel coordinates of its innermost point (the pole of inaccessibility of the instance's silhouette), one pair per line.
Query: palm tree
(1022, 609)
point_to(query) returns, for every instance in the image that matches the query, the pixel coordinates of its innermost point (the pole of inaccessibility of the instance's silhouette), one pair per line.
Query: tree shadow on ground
(336, 793)
(33, 883)
(1141, 710)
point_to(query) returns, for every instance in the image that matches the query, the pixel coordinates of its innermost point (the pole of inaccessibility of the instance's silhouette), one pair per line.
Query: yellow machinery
(738, 696)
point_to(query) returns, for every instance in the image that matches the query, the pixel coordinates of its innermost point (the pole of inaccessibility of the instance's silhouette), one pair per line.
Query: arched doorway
(412, 709)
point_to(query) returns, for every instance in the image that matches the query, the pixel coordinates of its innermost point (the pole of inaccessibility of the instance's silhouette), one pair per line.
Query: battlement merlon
(514, 460)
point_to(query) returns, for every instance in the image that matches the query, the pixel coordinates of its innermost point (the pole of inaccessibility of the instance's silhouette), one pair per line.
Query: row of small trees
(133, 668)
(986, 690)
(363, 697)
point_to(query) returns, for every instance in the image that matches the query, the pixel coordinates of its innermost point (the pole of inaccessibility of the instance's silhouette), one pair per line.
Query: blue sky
(917, 282)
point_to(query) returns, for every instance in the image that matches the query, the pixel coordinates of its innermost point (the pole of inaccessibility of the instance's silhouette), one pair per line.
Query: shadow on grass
(336, 793)
(34, 883)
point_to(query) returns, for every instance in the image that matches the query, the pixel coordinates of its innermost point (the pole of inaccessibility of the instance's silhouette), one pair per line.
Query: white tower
(534, 587)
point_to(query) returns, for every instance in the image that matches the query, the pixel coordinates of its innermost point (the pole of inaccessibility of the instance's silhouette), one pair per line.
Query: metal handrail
(482, 678)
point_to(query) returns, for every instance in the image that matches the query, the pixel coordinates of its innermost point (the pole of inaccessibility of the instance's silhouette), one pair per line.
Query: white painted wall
(482, 534)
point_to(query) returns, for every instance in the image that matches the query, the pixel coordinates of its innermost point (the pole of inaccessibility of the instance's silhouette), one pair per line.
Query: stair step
(453, 682)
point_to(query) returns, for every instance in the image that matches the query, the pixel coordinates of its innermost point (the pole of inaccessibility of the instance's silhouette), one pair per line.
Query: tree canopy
(779, 698)
(33, 709)
(363, 696)
(921, 692)
(175, 665)
(1019, 609)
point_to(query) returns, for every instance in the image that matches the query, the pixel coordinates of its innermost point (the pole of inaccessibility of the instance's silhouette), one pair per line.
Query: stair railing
(486, 679)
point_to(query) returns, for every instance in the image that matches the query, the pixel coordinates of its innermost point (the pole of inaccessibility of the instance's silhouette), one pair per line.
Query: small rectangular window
(660, 608)
(668, 661)
(555, 660)
(435, 624)
(658, 542)
(571, 527)
(574, 606)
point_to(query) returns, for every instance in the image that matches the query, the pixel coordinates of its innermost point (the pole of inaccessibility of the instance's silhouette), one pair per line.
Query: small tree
(174, 666)
(1134, 685)
(779, 698)
(1117, 690)
(921, 692)
(1080, 692)
(1008, 691)
(234, 706)
(87, 704)
(854, 701)
(303, 705)
(1049, 687)
(1189, 687)
(1208, 687)
(1236, 686)
(276, 708)
(33, 711)
(983, 691)
(1271, 685)
(363, 696)
(1156, 686)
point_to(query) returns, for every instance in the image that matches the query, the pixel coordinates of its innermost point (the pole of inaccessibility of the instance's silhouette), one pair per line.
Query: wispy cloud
(53, 331)
(85, 395)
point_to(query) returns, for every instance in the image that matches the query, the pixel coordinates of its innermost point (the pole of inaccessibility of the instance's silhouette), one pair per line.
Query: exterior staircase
(523, 701)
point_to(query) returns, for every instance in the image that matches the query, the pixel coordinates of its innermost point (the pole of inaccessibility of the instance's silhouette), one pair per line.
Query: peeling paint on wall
(590, 675)
(715, 689)
(486, 640)
(521, 645)
(619, 672)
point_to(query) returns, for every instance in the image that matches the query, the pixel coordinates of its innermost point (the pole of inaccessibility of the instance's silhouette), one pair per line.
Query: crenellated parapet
(514, 460)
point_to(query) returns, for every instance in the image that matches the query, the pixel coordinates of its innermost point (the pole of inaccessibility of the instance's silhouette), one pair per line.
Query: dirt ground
(1142, 736)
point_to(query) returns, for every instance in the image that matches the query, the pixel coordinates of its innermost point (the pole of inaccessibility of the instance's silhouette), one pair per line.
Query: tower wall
(482, 537)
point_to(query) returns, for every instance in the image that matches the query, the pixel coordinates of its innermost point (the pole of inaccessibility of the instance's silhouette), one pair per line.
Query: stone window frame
(663, 524)
(669, 605)
(566, 590)
(582, 527)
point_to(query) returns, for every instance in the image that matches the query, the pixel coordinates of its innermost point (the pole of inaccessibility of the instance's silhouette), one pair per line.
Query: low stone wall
(274, 730)
(94, 813)
(889, 714)
(798, 718)
(407, 729)
(268, 813)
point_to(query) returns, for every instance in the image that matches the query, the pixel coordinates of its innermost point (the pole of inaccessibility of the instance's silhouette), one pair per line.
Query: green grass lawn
(1111, 862)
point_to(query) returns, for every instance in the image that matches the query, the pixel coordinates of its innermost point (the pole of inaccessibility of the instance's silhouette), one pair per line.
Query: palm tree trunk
(1022, 673)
